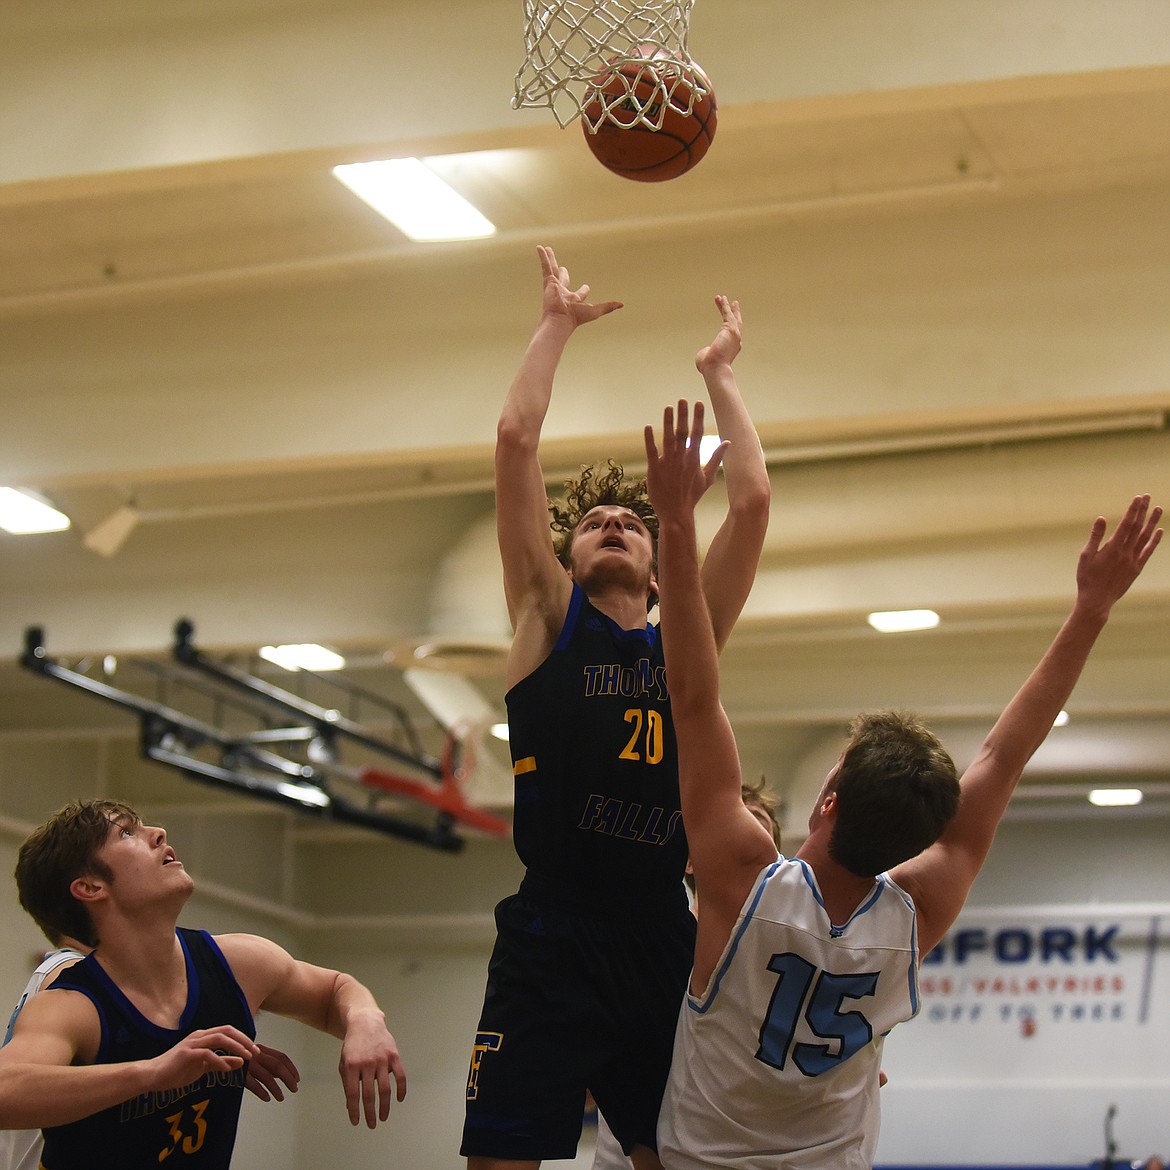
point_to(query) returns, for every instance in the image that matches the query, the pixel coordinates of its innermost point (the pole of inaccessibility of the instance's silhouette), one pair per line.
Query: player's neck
(841, 890)
(146, 961)
(624, 606)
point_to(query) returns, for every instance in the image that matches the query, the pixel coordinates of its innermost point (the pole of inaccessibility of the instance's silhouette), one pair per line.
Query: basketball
(624, 144)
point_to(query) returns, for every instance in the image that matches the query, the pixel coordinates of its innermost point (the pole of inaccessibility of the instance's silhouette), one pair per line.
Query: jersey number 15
(849, 1030)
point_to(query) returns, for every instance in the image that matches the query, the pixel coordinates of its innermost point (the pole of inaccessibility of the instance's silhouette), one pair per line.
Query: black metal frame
(168, 736)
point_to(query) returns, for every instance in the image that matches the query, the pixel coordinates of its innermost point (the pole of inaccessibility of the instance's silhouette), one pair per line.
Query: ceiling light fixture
(1061, 719)
(302, 656)
(108, 535)
(23, 512)
(901, 621)
(413, 198)
(1115, 797)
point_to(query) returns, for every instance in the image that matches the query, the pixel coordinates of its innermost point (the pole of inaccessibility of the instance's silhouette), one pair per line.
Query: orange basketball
(628, 147)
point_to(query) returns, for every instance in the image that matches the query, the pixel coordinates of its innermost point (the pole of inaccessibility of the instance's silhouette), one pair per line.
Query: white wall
(970, 1082)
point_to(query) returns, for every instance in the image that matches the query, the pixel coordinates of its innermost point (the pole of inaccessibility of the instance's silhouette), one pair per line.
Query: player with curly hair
(592, 953)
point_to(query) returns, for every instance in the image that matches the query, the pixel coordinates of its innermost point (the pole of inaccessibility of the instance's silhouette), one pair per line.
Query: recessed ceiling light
(413, 198)
(1115, 797)
(302, 656)
(1061, 719)
(900, 621)
(23, 512)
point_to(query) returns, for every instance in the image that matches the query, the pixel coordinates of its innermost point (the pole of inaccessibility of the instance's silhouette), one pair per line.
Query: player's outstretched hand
(676, 477)
(268, 1067)
(1107, 568)
(561, 300)
(728, 341)
(210, 1050)
(369, 1059)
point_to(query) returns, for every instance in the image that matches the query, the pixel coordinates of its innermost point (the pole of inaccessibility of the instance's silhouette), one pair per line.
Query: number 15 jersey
(776, 1064)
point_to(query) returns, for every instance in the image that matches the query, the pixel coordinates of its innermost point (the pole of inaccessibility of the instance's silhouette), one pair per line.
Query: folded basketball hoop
(573, 46)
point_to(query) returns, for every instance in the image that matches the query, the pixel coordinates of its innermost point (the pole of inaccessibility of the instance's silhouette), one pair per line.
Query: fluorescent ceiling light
(500, 731)
(1115, 797)
(900, 621)
(23, 512)
(305, 656)
(413, 198)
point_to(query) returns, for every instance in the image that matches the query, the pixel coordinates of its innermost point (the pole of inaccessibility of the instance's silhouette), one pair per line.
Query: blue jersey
(592, 954)
(598, 821)
(197, 1121)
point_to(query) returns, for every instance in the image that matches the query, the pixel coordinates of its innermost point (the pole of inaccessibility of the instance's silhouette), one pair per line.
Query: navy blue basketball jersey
(597, 819)
(190, 1128)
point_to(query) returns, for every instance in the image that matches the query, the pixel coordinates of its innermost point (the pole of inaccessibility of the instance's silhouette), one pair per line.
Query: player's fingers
(369, 1085)
(384, 1091)
(288, 1072)
(1150, 524)
(697, 418)
(229, 1040)
(667, 429)
(712, 464)
(1151, 544)
(1131, 522)
(651, 445)
(1095, 535)
(259, 1087)
(349, 1082)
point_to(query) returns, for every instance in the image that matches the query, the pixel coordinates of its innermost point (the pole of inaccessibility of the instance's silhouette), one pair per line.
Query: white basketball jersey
(776, 1063)
(20, 1149)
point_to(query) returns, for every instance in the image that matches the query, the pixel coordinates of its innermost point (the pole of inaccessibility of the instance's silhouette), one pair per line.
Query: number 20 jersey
(776, 1064)
(598, 822)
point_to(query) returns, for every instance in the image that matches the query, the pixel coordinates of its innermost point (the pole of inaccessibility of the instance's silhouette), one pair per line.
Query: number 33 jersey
(192, 1127)
(776, 1064)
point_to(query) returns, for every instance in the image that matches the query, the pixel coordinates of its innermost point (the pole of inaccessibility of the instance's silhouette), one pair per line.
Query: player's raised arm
(940, 878)
(728, 845)
(535, 585)
(734, 554)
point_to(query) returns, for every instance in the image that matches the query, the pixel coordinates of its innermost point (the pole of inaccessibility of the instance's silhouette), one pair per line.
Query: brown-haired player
(139, 1050)
(803, 964)
(592, 953)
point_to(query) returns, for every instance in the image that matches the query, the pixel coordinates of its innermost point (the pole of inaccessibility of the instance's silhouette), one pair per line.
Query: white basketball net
(571, 44)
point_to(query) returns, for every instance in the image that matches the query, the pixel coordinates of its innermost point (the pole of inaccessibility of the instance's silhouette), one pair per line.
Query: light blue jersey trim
(912, 974)
(694, 1004)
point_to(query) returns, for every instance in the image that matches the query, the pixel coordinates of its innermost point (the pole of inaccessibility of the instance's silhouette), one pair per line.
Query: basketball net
(571, 46)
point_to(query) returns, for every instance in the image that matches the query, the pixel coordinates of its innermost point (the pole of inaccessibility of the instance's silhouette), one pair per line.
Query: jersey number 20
(650, 747)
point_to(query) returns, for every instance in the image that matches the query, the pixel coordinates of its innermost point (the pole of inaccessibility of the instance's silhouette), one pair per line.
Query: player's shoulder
(247, 947)
(60, 1010)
